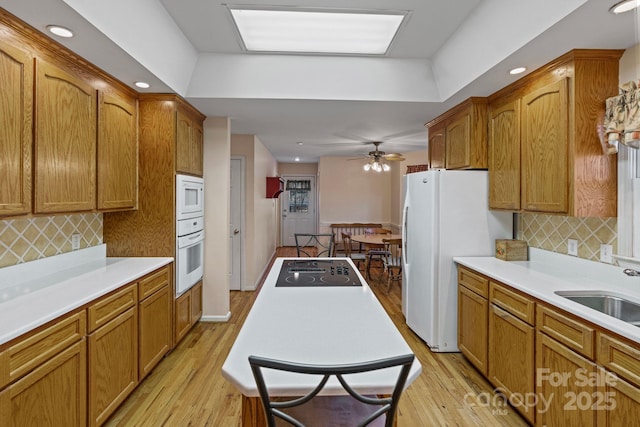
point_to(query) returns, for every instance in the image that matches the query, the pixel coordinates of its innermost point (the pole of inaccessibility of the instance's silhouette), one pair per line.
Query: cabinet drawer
(513, 302)
(154, 281)
(35, 349)
(619, 357)
(473, 281)
(572, 333)
(111, 306)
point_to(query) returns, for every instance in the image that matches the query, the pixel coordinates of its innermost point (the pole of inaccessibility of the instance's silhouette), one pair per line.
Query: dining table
(374, 239)
(326, 325)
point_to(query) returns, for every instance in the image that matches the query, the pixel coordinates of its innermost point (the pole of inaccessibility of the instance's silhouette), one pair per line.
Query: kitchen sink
(607, 303)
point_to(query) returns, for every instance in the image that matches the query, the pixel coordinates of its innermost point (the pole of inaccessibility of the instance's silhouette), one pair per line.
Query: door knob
(236, 231)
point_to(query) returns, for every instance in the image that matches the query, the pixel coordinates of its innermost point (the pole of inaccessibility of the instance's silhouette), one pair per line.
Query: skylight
(316, 31)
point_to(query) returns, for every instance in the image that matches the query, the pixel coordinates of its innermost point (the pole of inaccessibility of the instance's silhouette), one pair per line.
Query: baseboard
(216, 318)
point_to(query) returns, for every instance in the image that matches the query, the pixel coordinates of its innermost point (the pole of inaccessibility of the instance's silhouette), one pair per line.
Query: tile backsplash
(550, 232)
(28, 239)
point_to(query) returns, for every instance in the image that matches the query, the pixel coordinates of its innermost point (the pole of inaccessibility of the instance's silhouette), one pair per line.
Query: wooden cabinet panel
(65, 141)
(155, 328)
(117, 152)
(113, 365)
(511, 357)
(16, 106)
(184, 147)
(153, 282)
(36, 348)
(512, 301)
(472, 327)
(558, 381)
(473, 281)
(198, 150)
(504, 156)
(458, 143)
(619, 357)
(545, 147)
(107, 308)
(437, 144)
(618, 402)
(196, 303)
(572, 333)
(54, 394)
(182, 315)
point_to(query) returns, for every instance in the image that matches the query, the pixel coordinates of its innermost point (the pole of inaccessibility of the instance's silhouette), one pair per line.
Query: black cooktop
(317, 272)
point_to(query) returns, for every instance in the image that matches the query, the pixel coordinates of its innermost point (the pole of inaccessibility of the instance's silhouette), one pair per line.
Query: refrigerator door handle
(405, 235)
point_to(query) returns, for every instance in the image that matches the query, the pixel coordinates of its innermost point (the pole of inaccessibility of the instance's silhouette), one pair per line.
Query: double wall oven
(189, 231)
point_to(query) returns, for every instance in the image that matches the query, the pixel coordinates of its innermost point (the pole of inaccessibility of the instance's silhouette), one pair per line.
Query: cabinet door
(155, 329)
(545, 144)
(511, 358)
(16, 106)
(560, 383)
(65, 141)
(458, 152)
(437, 147)
(472, 327)
(196, 303)
(53, 394)
(182, 315)
(197, 156)
(113, 365)
(504, 157)
(184, 143)
(117, 152)
(617, 401)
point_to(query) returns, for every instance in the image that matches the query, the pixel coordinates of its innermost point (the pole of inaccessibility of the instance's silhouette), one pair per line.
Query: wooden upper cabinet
(437, 148)
(545, 149)
(189, 139)
(504, 156)
(459, 136)
(65, 141)
(562, 167)
(117, 152)
(16, 106)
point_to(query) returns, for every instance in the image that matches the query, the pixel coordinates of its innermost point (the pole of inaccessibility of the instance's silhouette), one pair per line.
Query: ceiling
(446, 52)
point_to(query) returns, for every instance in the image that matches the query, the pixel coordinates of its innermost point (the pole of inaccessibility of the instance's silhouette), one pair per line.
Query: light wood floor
(187, 387)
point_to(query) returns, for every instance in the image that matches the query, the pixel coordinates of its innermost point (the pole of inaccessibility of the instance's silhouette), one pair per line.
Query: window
(299, 195)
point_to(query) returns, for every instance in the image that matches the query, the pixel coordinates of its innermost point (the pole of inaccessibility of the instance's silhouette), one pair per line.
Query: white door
(298, 207)
(236, 224)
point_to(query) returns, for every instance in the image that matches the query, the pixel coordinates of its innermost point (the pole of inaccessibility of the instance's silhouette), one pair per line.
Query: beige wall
(217, 147)
(260, 213)
(297, 169)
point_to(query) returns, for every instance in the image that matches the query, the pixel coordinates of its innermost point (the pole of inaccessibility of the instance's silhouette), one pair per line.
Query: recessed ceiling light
(60, 31)
(142, 85)
(299, 142)
(297, 159)
(319, 31)
(517, 70)
(624, 6)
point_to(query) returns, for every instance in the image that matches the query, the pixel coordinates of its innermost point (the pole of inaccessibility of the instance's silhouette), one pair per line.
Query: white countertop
(547, 272)
(317, 325)
(33, 293)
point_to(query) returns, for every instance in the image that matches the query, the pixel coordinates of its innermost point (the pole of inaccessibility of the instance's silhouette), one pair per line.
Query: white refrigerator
(445, 215)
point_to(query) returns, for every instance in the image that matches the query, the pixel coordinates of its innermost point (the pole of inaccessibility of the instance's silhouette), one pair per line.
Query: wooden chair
(392, 260)
(311, 409)
(359, 259)
(375, 253)
(322, 241)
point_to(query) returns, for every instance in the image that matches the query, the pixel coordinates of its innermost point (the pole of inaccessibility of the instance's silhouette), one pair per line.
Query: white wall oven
(189, 232)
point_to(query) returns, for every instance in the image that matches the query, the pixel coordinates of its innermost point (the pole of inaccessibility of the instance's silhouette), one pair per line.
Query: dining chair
(392, 260)
(359, 259)
(321, 242)
(353, 408)
(375, 253)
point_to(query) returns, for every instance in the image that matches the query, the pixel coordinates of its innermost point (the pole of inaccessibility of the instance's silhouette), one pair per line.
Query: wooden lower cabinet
(196, 302)
(472, 327)
(511, 359)
(188, 310)
(54, 394)
(562, 382)
(618, 401)
(113, 365)
(155, 329)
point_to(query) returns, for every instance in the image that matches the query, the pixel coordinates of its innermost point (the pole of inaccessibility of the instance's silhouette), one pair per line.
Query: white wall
(412, 159)
(217, 143)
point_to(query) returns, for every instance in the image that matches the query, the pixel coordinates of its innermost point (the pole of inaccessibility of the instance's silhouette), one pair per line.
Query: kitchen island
(316, 325)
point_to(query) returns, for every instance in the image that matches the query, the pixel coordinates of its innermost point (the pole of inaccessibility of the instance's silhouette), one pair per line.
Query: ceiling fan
(377, 159)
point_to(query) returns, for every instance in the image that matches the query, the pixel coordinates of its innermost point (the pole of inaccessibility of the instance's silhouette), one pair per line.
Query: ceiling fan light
(367, 167)
(386, 167)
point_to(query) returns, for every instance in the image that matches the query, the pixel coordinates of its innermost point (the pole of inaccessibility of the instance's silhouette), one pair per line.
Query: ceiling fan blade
(394, 159)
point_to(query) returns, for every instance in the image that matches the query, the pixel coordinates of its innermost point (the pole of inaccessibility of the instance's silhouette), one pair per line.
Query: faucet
(630, 272)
